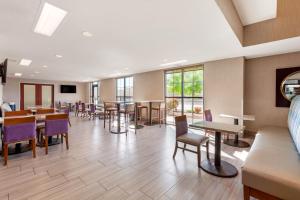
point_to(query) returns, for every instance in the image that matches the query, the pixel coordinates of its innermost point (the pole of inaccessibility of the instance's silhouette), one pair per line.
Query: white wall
(11, 90)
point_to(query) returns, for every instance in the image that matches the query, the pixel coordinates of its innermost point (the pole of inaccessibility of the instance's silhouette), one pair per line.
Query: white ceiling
(253, 11)
(135, 34)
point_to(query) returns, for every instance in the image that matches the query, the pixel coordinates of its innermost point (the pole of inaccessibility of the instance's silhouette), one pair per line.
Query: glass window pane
(46, 96)
(29, 96)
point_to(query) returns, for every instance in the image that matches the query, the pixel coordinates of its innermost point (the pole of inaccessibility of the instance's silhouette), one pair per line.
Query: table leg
(119, 118)
(236, 142)
(218, 167)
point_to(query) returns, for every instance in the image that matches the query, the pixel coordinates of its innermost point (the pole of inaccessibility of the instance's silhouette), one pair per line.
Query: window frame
(123, 97)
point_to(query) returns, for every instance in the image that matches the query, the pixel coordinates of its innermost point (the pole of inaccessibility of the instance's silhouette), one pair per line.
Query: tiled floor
(100, 165)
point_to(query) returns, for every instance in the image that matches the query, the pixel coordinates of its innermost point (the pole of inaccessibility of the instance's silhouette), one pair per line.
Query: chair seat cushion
(192, 139)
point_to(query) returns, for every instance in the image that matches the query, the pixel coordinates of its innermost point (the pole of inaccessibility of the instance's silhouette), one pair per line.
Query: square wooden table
(216, 166)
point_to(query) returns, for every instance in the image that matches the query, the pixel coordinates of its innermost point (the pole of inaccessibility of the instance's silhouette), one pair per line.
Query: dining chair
(56, 124)
(45, 110)
(109, 111)
(208, 118)
(83, 110)
(67, 111)
(159, 109)
(17, 130)
(140, 108)
(17, 113)
(187, 138)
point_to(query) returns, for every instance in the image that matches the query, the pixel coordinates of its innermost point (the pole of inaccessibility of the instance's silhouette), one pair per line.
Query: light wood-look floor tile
(100, 165)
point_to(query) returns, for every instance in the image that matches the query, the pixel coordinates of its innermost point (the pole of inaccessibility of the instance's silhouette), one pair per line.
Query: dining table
(217, 166)
(118, 105)
(19, 148)
(236, 142)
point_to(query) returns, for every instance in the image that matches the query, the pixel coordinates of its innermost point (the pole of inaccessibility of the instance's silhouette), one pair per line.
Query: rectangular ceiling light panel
(25, 62)
(50, 18)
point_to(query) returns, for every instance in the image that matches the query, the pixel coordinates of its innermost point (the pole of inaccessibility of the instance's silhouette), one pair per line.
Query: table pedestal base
(151, 124)
(236, 143)
(136, 126)
(225, 170)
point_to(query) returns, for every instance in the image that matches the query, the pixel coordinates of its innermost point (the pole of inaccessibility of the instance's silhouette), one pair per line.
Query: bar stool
(159, 108)
(140, 109)
(128, 112)
(109, 110)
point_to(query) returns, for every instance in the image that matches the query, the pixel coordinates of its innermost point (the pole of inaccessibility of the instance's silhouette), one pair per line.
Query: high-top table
(118, 104)
(150, 102)
(216, 166)
(236, 142)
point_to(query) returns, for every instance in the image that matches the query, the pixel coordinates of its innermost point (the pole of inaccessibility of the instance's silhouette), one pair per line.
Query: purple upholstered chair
(67, 111)
(17, 130)
(208, 115)
(56, 124)
(91, 112)
(83, 110)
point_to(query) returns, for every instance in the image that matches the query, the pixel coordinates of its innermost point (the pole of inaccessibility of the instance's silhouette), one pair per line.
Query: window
(125, 89)
(184, 93)
(94, 92)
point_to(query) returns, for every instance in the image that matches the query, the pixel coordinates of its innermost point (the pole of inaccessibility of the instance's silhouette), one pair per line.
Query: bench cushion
(294, 121)
(273, 164)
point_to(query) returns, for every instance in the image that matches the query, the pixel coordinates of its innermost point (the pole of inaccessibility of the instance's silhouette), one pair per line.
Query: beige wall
(11, 90)
(147, 86)
(224, 88)
(260, 89)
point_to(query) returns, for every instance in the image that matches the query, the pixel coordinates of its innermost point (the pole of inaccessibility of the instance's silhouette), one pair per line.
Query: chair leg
(46, 145)
(33, 144)
(184, 148)
(67, 140)
(5, 153)
(104, 118)
(199, 156)
(246, 193)
(175, 150)
(207, 150)
(69, 122)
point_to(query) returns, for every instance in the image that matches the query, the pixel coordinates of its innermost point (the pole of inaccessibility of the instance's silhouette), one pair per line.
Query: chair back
(156, 105)
(56, 124)
(208, 115)
(181, 125)
(19, 129)
(92, 108)
(129, 108)
(17, 113)
(83, 107)
(44, 110)
(76, 106)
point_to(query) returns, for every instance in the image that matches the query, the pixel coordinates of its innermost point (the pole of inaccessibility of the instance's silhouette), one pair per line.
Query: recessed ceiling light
(50, 18)
(25, 62)
(45, 66)
(18, 74)
(87, 34)
(36, 72)
(58, 56)
(126, 68)
(173, 63)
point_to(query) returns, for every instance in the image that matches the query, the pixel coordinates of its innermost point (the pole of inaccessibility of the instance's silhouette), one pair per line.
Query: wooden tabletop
(218, 127)
(37, 117)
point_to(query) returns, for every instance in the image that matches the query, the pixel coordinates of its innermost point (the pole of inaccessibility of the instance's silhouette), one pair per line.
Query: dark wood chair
(17, 113)
(140, 108)
(159, 109)
(183, 136)
(109, 110)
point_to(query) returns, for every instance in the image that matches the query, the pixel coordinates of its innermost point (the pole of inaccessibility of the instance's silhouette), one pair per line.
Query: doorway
(33, 94)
